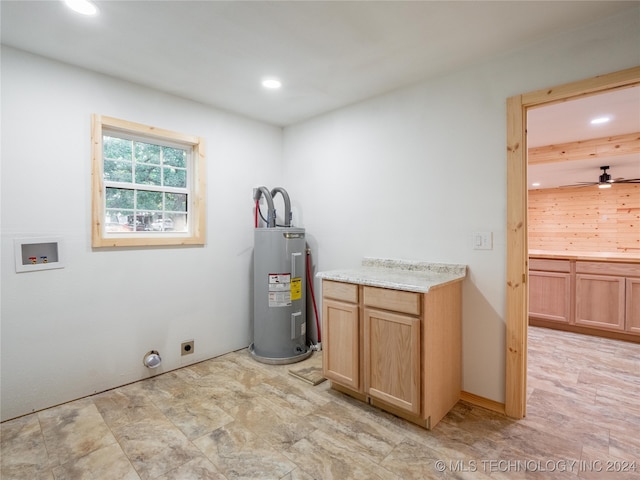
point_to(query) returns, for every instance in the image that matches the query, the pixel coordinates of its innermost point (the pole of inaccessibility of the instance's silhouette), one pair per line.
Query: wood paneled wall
(586, 219)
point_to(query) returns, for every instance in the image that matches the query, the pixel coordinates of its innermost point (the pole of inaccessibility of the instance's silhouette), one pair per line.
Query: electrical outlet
(187, 348)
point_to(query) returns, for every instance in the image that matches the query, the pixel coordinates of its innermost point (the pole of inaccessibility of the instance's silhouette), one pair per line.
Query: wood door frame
(517, 258)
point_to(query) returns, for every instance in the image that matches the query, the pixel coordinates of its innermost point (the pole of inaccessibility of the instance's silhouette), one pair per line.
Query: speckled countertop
(399, 274)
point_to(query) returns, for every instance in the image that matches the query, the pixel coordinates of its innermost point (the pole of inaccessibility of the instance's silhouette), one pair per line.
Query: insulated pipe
(313, 297)
(271, 215)
(287, 204)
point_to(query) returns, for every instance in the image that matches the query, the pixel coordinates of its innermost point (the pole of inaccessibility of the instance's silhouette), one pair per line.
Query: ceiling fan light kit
(605, 178)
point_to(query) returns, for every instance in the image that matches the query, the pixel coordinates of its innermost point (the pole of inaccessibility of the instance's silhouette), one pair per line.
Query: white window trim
(197, 207)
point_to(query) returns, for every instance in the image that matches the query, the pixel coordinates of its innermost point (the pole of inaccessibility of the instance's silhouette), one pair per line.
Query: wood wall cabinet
(595, 297)
(398, 350)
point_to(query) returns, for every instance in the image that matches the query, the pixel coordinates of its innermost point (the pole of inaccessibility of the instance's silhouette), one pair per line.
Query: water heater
(279, 289)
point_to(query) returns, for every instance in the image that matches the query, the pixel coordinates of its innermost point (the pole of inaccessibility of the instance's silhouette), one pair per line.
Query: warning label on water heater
(279, 289)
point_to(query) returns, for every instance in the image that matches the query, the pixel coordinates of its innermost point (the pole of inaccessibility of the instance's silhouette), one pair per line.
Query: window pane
(117, 220)
(119, 198)
(175, 157)
(179, 222)
(176, 202)
(149, 200)
(163, 224)
(175, 177)
(142, 222)
(148, 175)
(118, 171)
(147, 153)
(116, 148)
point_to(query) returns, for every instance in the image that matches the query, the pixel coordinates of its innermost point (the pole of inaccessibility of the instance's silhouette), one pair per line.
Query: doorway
(517, 241)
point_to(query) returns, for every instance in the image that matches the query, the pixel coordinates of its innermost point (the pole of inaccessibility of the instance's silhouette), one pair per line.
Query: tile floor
(233, 418)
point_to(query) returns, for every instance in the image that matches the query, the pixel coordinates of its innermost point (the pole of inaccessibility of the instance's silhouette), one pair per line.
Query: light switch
(482, 241)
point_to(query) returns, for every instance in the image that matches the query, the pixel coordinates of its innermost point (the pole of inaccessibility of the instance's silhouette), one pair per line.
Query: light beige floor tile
(74, 430)
(412, 460)
(324, 457)
(155, 447)
(107, 463)
(22, 450)
(364, 430)
(297, 474)
(596, 465)
(280, 428)
(126, 405)
(240, 454)
(197, 469)
(286, 394)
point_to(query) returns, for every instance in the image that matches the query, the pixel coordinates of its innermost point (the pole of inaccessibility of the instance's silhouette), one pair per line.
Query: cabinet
(341, 330)
(594, 297)
(398, 350)
(550, 284)
(633, 306)
(392, 348)
(601, 295)
(600, 301)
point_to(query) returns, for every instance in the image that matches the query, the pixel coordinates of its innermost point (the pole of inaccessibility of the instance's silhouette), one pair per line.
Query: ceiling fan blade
(626, 180)
(579, 184)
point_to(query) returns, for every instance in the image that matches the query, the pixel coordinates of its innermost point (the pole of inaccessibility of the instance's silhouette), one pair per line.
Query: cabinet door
(392, 358)
(550, 295)
(600, 301)
(341, 340)
(633, 306)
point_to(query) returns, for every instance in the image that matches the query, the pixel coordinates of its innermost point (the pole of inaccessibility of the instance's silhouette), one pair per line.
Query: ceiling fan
(605, 180)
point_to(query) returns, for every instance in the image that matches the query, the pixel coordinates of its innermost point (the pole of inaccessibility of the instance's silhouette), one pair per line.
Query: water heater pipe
(271, 215)
(287, 204)
(255, 220)
(313, 297)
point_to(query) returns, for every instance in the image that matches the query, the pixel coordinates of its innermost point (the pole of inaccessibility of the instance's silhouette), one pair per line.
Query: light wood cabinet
(398, 350)
(392, 358)
(601, 290)
(594, 297)
(341, 330)
(600, 301)
(550, 290)
(633, 306)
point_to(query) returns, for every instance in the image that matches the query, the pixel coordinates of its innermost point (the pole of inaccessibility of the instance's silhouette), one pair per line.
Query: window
(148, 185)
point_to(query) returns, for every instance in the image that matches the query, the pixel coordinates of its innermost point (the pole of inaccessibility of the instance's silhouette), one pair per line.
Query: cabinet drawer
(605, 268)
(545, 265)
(396, 300)
(347, 292)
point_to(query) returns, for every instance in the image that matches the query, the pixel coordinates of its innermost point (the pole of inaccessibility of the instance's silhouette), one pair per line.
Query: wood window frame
(517, 251)
(197, 206)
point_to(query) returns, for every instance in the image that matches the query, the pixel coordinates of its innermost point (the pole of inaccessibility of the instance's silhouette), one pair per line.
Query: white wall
(85, 328)
(413, 173)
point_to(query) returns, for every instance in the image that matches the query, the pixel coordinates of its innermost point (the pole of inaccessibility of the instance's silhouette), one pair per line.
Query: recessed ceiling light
(599, 120)
(271, 83)
(83, 7)
(535, 184)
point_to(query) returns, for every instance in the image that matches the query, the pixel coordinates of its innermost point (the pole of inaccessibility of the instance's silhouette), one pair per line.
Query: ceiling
(569, 122)
(328, 54)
